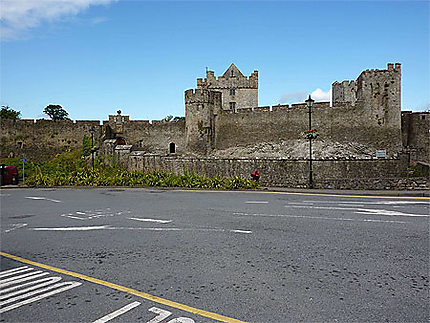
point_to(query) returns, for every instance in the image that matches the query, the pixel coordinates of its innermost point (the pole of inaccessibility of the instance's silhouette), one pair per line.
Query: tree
(168, 118)
(9, 113)
(56, 112)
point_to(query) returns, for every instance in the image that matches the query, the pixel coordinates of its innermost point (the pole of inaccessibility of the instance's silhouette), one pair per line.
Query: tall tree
(9, 113)
(56, 112)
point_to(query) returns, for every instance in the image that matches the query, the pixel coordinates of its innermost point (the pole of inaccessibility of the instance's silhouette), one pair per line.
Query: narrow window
(423, 117)
(197, 107)
(232, 91)
(172, 148)
(233, 105)
(232, 73)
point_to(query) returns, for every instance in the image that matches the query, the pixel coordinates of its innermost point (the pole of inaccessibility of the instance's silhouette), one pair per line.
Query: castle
(223, 112)
(222, 115)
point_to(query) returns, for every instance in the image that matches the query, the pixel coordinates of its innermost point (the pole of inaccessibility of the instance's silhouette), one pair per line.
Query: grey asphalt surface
(252, 256)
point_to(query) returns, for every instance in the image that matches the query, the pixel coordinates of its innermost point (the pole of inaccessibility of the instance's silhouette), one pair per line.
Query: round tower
(201, 106)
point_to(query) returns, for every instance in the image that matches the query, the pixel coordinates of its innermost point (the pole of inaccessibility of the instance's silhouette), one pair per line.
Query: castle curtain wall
(38, 139)
(335, 174)
(346, 124)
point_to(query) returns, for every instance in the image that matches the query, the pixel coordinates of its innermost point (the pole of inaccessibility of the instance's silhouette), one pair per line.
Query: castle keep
(223, 121)
(366, 111)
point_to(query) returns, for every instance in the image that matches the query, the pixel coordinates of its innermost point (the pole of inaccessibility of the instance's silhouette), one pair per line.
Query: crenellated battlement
(201, 96)
(238, 91)
(369, 85)
(284, 108)
(229, 80)
(223, 112)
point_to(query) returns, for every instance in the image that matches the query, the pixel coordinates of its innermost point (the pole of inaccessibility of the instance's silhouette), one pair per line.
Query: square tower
(238, 91)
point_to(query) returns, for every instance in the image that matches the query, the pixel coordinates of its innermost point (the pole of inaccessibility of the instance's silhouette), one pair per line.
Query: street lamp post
(92, 130)
(310, 103)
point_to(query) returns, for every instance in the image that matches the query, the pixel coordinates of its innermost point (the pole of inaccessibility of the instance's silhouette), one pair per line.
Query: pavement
(184, 256)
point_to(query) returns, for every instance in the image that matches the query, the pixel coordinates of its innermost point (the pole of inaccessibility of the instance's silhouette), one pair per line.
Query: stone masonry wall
(245, 88)
(156, 136)
(344, 92)
(335, 174)
(342, 123)
(416, 135)
(38, 139)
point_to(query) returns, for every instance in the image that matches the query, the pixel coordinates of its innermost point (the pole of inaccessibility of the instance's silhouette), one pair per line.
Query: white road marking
(365, 211)
(256, 202)
(151, 220)
(51, 279)
(16, 272)
(401, 202)
(108, 227)
(182, 320)
(42, 198)
(119, 312)
(368, 202)
(321, 207)
(16, 226)
(351, 205)
(387, 212)
(52, 200)
(145, 229)
(67, 286)
(100, 227)
(300, 203)
(240, 231)
(13, 282)
(72, 217)
(9, 272)
(34, 292)
(316, 217)
(3, 281)
(162, 314)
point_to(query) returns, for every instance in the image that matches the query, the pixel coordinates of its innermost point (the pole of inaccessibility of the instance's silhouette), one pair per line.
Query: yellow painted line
(315, 194)
(153, 298)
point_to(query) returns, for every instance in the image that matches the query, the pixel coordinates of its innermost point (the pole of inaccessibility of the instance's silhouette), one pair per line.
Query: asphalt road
(254, 257)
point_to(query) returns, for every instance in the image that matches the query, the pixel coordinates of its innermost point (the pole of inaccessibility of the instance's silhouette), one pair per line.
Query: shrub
(72, 169)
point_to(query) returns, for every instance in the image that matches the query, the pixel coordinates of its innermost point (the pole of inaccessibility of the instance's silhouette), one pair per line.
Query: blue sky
(96, 56)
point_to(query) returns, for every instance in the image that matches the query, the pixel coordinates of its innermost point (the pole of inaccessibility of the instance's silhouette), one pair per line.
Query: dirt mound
(298, 149)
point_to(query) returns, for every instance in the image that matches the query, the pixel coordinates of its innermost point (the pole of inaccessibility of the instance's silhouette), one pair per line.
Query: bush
(72, 169)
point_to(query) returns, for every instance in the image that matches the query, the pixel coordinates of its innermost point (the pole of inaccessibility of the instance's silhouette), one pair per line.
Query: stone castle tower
(201, 108)
(238, 91)
(366, 109)
(377, 91)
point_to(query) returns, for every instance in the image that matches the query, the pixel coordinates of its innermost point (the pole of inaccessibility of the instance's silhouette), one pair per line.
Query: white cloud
(301, 96)
(19, 15)
(296, 96)
(320, 95)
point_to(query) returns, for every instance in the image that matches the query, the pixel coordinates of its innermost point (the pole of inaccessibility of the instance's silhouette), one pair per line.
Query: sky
(94, 57)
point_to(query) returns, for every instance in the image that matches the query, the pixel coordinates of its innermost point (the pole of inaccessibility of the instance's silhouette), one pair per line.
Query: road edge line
(183, 307)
